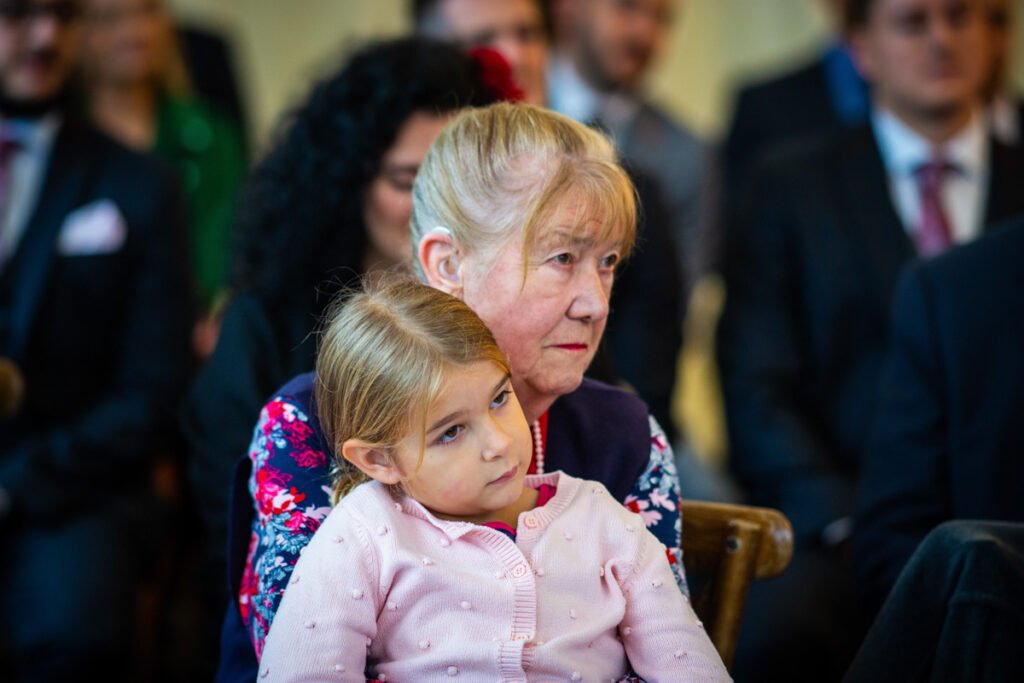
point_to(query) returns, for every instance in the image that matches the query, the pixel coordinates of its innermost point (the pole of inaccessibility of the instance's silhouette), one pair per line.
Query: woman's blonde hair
(498, 169)
(381, 362)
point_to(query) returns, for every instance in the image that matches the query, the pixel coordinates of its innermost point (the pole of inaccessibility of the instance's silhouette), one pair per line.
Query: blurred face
(478, 447)
(38, 42)
(387, 203)
(515, 28)
(619, 39)
(551, 324)
(924, 57)
(125, 41)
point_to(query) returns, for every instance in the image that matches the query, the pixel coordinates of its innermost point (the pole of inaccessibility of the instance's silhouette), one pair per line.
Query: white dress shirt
(964, 189)
(27, 172)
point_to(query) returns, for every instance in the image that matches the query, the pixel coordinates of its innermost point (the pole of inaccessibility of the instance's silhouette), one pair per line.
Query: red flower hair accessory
(496, 74)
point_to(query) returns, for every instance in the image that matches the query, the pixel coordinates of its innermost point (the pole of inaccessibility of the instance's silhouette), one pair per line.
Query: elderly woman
(524, 214)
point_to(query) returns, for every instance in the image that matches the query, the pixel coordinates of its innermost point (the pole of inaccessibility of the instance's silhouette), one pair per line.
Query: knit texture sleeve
(328, 615)
(663, 638)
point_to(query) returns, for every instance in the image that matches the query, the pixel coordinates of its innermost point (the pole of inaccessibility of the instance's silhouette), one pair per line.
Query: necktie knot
(930, 174)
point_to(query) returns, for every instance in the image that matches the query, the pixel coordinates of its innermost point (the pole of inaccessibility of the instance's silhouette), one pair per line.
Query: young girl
(442, 558)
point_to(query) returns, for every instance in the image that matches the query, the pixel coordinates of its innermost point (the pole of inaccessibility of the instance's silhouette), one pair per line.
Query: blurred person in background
(94, 321)
(825, 92)
(518, 29)
(947, 442)
(137, 90)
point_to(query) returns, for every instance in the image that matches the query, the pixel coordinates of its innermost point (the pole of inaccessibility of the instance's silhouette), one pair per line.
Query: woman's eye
(610, 261)
(501, 399)
(563, 259)
(450, 434)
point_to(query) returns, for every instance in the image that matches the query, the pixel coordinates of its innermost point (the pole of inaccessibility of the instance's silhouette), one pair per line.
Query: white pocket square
(96, 228)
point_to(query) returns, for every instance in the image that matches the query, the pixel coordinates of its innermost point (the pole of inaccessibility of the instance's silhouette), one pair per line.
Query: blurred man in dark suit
(811, 263)
(948, 441)
(93, 273)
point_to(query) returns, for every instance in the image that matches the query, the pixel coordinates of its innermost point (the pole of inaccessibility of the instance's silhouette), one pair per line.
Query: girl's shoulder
(368, 507)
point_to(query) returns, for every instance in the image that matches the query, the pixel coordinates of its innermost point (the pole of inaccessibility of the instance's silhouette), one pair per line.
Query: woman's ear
(440, 261)
(372, 461)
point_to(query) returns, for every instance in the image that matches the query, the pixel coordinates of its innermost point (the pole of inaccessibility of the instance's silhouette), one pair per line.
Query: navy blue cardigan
(597, 432)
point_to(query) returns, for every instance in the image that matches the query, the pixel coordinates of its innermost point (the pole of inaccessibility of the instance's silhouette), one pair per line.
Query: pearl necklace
(538, 446)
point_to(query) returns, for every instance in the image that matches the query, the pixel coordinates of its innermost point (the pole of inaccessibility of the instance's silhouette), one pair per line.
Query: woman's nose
(591, 298)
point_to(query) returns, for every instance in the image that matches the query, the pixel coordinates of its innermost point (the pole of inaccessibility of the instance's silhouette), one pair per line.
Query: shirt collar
(35, 136)
(567, 93)
(903, 150)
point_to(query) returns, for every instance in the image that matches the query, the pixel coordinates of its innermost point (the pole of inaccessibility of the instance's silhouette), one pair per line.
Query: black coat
(101, 337)
(949, 439)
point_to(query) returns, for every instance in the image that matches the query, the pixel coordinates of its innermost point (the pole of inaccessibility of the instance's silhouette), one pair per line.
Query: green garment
(206, 149)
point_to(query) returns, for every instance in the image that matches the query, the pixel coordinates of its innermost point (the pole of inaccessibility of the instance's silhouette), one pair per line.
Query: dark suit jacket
(948, 442)
(791, 105)
(101, 338)
(812, 262)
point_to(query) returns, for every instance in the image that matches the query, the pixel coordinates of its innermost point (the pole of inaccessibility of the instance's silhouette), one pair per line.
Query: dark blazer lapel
(865, 184)
(1005, 185)
(62, 191)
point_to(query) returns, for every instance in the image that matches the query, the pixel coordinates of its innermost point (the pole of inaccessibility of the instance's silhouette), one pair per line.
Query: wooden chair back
(725, 547)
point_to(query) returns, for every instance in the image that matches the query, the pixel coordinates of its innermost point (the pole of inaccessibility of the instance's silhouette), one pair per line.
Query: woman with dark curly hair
(329, 202)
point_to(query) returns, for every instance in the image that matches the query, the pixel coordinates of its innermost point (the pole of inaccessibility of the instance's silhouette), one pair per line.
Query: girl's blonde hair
(381, 362)
(506, 167)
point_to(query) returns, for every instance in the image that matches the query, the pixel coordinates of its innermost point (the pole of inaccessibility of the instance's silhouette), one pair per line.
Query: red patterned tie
(933, 232)
(8, 145)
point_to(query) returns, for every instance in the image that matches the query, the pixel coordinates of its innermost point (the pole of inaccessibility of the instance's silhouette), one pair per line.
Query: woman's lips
(508, 476)
(572, 347)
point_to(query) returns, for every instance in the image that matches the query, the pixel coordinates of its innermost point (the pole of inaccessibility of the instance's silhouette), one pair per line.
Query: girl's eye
(563, 259)
(501, 399)
(450, 434)
(610, 261)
